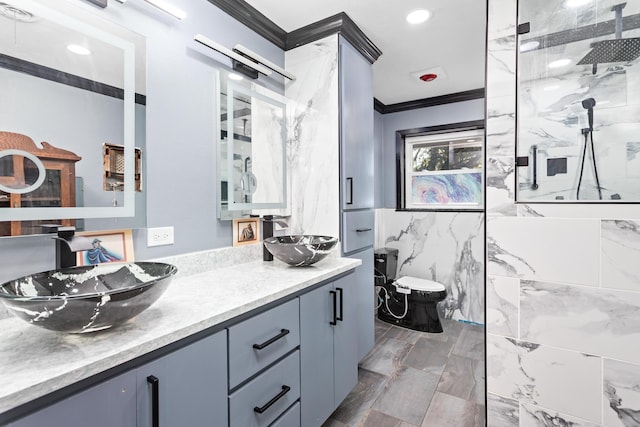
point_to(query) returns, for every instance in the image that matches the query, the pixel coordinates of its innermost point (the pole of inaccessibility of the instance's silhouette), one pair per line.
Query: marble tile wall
(563, 282)
(440, 246)
(314, 137)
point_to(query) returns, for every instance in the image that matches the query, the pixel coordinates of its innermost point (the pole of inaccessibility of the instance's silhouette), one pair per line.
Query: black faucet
(67, 244)
(267, 231)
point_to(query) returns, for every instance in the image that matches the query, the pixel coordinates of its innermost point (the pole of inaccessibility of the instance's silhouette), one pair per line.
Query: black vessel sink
(89, 298)
(300, 250)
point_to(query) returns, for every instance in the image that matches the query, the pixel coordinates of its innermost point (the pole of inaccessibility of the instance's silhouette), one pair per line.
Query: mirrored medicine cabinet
(577, 116)
(68, 81)
(252, 149)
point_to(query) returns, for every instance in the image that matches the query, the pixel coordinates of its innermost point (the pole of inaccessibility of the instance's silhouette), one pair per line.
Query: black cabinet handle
(155, 400)
(261, 409)
(534, 149)
(362, 230)
(350, 181)
(341, 303)
(270, 341)
(335, 308)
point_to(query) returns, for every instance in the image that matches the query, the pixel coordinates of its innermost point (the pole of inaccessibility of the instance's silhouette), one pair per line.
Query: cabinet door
(191, 385)
(356, 129)
(108, 404)
(316, 355)
(345, 340)
(365, 301)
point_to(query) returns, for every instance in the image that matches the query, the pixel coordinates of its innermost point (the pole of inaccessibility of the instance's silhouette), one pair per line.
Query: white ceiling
(453, 39)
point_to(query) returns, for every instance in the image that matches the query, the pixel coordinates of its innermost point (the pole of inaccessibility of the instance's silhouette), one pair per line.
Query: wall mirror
(578, 71)
(252, 150)
(68, 81)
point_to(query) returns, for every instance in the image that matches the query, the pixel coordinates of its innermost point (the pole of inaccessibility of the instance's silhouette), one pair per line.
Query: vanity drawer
(261, 340)
(291, 418)
(263, 399)
(357, 230)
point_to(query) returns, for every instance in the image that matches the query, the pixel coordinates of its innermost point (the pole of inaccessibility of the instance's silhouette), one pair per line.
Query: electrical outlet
(159, 236)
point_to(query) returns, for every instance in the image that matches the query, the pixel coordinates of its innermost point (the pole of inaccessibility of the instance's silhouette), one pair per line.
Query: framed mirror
(577, 118)
(69, 84)
(252, 149)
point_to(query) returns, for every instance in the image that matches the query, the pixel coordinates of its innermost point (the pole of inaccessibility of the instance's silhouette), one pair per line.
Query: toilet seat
(417, 284)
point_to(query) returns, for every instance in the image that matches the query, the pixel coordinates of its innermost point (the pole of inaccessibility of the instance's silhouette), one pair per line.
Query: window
(444, 170)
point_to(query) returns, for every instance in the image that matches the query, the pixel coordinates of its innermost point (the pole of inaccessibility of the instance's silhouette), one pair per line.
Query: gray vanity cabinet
(356, 129)
(328, 349)
(108, 404)
(191, 384)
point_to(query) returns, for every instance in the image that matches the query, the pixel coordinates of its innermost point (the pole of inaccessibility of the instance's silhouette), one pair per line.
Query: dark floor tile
(463, 377)
(386, 356)
(407, 394)
(448, 411)
(403, 334)
(355, 406)
(378, 419)
(451, 331)
(470, 344)
(429, 355)
(333, 423)
(380, 329)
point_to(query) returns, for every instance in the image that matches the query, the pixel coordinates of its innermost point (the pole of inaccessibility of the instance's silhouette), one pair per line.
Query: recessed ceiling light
(234, 76)
(80, 50)
(576, 3)
(526, 46)
(559, 63)
(418, 16)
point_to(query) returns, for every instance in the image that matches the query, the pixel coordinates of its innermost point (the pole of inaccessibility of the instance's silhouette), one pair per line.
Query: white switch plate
(160, 236)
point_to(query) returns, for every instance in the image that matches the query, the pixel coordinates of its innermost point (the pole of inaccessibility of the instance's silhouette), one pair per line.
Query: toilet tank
(386, 262)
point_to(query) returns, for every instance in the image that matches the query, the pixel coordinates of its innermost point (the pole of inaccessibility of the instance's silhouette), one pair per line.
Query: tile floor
(417, 379)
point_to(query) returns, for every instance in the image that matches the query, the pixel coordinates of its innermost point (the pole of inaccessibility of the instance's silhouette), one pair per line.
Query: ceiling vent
(15, 13)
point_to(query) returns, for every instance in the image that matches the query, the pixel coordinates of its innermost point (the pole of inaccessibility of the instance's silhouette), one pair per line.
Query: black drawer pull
(285, 390)
(341, 304)
(335, 308)
(270, 341)
(362, 230)
(155, 400)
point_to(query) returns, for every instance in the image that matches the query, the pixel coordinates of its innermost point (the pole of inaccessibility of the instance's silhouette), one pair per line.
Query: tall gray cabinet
(356, 182)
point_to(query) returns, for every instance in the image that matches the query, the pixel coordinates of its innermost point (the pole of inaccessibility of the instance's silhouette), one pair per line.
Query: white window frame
(454, 138)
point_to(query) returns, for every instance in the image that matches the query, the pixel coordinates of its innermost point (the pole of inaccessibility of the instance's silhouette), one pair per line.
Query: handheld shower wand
(588, 105)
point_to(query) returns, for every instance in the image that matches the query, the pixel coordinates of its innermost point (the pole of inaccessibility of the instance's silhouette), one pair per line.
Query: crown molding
(339, 23)
(252, 18)
(467, 95)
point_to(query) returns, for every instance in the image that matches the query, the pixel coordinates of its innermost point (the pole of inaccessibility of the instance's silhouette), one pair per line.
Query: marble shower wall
(440, 246)
(563, 282)
(313, 146)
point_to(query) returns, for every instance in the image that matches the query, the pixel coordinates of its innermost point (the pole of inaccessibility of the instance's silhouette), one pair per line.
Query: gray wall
(180, 159)
(424, 117)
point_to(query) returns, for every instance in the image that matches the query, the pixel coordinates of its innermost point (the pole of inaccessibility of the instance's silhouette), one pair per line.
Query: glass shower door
(578, 116)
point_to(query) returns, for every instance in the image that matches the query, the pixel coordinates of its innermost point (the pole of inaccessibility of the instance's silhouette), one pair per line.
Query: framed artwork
(108, 246)
(246, 231)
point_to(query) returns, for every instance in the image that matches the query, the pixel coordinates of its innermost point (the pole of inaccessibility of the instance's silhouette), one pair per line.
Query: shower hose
(588, 137)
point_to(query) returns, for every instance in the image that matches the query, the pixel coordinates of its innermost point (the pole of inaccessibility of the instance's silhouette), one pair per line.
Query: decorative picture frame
(109, 246)
(246, 231)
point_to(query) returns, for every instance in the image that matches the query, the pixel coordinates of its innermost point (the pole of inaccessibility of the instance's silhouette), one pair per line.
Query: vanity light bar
(231, 54)
(165, 7)
(261, 60)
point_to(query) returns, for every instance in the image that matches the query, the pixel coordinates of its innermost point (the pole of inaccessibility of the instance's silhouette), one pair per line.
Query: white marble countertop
(36, 361)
